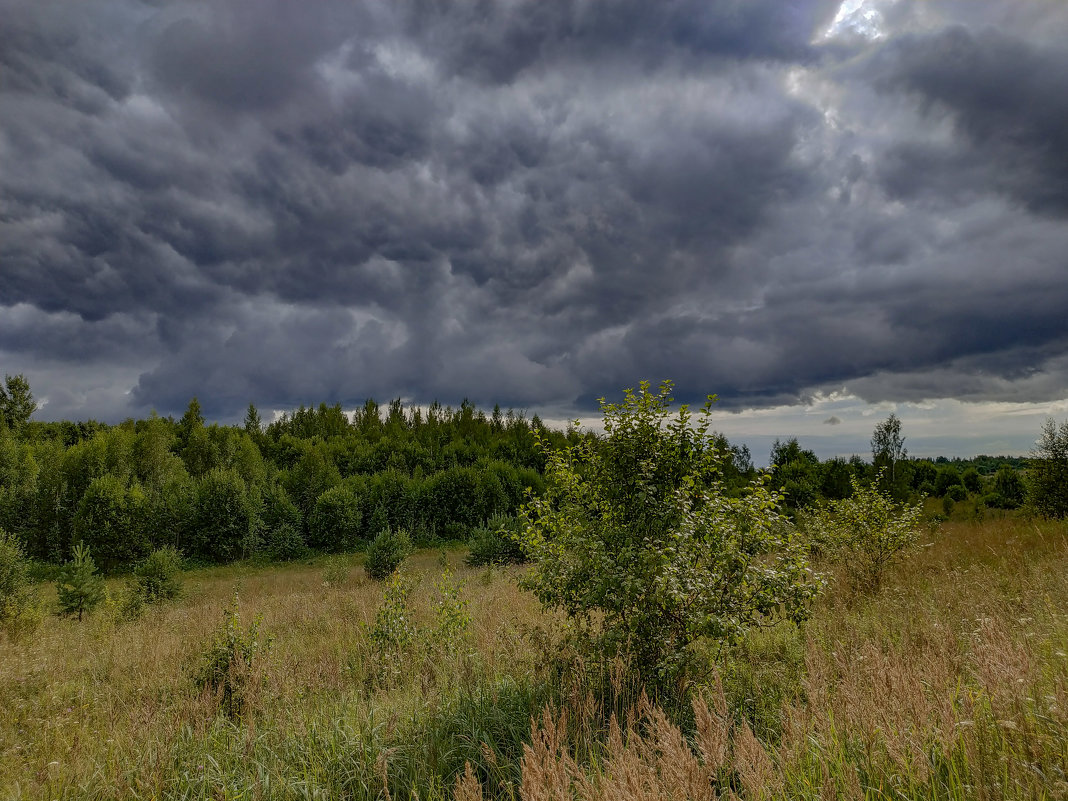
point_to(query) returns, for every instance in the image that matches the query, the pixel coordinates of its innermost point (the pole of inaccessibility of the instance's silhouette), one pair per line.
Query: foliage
(867, 531)
(888, 452)
(795, 472)
(229, 668)
(334, 524)
(337, 572)
(224, 522)
(285, 543)
(394, 633)
(16, 402)
(386, 553)
(1009, 490)
(637, 541)
(1047, 477)
(18, 600)
(452, 617)
(496, 542)
(158, 578)
(110, 521)
(79, 588)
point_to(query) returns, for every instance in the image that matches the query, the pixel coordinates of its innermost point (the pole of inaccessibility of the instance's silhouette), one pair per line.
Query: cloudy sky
(820, 211)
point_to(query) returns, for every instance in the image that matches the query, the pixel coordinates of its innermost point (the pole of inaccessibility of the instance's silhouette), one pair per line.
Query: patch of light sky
(858, 17)
(841, 424)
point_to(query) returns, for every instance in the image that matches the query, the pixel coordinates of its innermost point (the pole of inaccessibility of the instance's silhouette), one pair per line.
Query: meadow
(950, 682)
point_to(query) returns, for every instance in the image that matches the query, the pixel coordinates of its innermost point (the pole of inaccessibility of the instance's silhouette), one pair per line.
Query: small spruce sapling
(79, 588)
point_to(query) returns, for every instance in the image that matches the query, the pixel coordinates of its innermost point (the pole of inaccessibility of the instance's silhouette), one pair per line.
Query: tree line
(315, 478)
(325, 479)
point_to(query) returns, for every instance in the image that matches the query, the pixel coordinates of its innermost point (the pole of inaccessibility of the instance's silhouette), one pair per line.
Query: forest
(323, 479)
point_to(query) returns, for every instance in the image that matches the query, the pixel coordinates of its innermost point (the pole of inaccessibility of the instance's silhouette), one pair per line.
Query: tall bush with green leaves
(386, 553)
(638, 541)
(18, 600)
(334, 524)
(80, 588)
(496, 542)
(231, 667)
(867, 532)
(158, 578)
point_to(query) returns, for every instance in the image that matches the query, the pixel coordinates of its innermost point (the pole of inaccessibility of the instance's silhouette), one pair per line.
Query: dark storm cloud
(1009, 106)
(530, 203)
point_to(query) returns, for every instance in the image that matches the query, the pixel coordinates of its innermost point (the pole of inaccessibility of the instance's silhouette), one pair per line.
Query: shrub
(393, 635)
(80, 588)
(956, 493)
(337, 572)
(18, 601)
(386, 553)
(285, 543)
(230, 668)
(867, 531)
(158, 577)
(637, 540)
(496, 542)
(1009, 491)
(334, 524)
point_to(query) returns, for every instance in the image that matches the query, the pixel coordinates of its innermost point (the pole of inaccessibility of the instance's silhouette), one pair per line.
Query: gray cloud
(534, 203)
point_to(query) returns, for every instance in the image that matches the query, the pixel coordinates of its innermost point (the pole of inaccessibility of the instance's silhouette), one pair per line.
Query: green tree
(887, 450)
(1009, 490)
(225, 520)
(253, 426)
(1047, 476)
(335, 521)
(795, 471)
(971, 480)
(79, 588)
(16, 402)
(637, 540)
(110, 520)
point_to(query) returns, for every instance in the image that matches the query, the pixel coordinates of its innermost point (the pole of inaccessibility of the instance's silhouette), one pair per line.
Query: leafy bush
(285, 543)
(957, 492)
(638, 541)
(337, 572)
(18, 601)
(394, 634)
(334, 524)
(79, 588)
(496, 542)
(158, 577)
(385, 554)
(231, 666)
(867, 531)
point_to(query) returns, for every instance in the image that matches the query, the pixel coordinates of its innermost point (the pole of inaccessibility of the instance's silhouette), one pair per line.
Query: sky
(822, 212)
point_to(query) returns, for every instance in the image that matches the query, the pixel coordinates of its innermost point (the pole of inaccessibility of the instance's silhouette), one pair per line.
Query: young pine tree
(79, 587)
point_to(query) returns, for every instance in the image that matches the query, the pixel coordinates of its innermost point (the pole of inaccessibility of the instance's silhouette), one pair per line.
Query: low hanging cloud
(533, 204)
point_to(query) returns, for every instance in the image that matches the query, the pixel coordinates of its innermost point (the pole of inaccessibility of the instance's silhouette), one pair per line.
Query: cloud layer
(531, 203)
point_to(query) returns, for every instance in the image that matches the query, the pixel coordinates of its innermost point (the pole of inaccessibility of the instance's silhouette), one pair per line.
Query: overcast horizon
(823, 212)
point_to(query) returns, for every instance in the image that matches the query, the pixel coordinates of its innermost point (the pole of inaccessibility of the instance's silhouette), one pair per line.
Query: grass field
(952, 682)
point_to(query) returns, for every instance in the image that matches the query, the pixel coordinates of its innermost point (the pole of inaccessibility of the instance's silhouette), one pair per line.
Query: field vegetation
(652, 619)
(951, 682)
